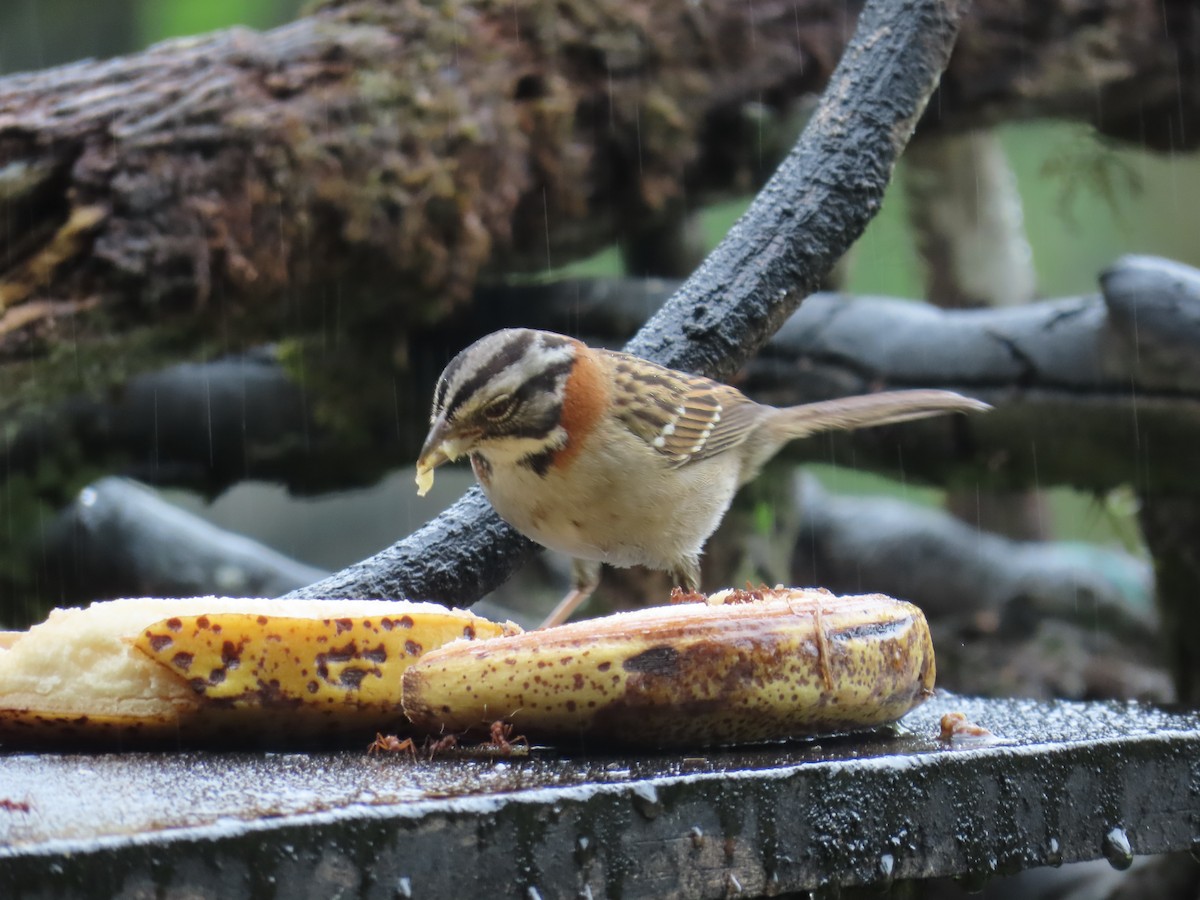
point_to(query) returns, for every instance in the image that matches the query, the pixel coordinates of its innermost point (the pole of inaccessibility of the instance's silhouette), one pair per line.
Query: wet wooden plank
(1063, 782)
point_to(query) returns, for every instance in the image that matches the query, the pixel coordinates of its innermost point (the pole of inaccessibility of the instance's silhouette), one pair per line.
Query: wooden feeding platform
(1059, 782)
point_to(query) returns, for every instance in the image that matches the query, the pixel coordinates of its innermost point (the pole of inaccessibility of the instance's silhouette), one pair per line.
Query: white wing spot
(708, 430)
(668, 429)
(661, 440)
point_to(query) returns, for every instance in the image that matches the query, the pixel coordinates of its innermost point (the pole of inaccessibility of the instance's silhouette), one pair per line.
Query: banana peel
(217, 671)
(746, 666)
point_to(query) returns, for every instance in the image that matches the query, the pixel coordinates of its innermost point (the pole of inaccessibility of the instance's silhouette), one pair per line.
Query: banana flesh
(424, 480)
(217, 671)
(744, 667)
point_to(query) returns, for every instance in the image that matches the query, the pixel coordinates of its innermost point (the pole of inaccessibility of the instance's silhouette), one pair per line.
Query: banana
(424, 480)
(746, 666)
(260, 660)
(218, 670)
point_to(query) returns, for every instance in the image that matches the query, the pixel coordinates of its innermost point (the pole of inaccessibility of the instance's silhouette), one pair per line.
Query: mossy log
(371, 162)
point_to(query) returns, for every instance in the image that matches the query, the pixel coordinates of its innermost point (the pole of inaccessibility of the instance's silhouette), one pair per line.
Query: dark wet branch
(1092, 392)
(1077, 361)
(806, 217)
(119, 539)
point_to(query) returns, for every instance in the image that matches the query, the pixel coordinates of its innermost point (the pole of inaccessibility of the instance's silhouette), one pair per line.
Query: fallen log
(378, 158)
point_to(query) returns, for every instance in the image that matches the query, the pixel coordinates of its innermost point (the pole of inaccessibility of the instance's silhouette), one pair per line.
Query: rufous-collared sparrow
(609, 458)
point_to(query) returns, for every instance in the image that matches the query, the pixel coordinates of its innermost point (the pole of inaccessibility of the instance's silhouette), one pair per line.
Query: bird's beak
(441, 445)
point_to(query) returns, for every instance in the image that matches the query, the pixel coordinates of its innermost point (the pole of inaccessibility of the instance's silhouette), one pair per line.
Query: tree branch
(955, 571)
(397, 149)
(1077, 360)
(119, 539)
(1092, 392)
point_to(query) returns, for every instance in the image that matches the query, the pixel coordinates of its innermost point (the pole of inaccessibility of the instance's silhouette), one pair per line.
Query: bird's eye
(500, 408)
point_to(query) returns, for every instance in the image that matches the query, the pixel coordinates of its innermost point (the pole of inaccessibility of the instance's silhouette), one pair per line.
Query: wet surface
(1055, 782)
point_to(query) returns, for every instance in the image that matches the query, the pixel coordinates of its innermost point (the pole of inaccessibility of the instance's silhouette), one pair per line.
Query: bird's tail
(847, 413)
(887, 408)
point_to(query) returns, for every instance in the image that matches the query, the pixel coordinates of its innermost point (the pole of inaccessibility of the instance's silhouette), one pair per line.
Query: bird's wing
(684, 417)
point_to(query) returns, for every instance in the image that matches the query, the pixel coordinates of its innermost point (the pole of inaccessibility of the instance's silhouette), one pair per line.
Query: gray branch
(120, 539)
(1122, 368)
(1092, 392)
(952, 570)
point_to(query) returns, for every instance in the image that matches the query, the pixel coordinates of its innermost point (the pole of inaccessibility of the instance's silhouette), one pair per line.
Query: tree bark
(1090, 392)
(385, 152)
(378, 157)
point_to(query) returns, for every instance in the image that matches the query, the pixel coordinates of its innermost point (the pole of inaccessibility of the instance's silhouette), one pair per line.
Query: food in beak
(440, 446)
(424, 476)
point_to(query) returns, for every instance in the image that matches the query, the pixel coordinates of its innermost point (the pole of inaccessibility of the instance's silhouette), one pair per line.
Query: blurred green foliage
(39, 33)
(158, 20)
(1086, 203)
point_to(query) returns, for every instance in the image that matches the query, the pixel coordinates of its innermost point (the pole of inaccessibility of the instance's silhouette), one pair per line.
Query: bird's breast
(618, 503)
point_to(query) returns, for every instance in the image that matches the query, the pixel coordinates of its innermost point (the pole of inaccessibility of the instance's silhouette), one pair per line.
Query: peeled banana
(217, 670)
(746, 666)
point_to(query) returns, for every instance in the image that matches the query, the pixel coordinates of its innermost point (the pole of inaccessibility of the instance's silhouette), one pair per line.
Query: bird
(612, 459)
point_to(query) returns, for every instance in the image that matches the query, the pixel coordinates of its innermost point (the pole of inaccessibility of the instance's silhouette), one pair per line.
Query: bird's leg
(686, 575)
(585, 576)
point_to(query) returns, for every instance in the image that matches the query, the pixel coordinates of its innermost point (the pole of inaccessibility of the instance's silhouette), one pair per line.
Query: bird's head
(501, 396)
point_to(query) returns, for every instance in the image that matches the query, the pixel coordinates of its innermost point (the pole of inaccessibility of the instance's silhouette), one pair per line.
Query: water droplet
(645, 800)
(585, 850)
(1054, 856)
(887, 867)
(1117, 849)
(974, 882)
(87, 497)
(403, 888)
(697, 836)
